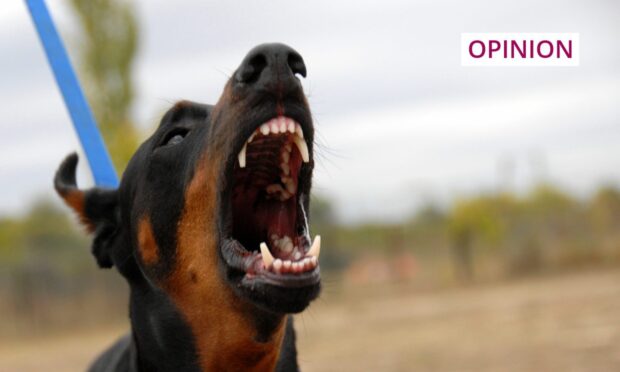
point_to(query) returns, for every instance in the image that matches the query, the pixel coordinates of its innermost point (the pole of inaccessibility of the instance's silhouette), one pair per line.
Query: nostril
(250, 71)
(296, 64)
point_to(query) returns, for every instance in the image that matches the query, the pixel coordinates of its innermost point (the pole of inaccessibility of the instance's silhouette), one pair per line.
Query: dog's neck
(191, 320)
(214, 336)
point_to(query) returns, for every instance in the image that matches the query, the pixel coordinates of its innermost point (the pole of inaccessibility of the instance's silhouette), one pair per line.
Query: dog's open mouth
(269, 220)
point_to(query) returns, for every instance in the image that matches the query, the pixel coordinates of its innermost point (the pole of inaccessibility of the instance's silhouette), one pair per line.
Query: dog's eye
(175, 137)
(174, 140)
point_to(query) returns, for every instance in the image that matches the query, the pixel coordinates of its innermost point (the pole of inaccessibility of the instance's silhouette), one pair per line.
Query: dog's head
(218, 196)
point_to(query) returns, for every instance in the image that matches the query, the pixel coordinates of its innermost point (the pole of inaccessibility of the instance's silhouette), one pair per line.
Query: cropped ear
(97, 209)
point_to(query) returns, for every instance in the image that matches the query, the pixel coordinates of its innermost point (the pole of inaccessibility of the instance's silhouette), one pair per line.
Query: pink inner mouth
(265, 201)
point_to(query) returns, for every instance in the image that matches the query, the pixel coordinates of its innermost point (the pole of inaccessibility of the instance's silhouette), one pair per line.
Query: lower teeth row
(287, 266)
(298, 264)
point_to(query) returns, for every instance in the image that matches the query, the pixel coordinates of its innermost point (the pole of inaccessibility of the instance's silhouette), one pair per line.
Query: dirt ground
(562, 323)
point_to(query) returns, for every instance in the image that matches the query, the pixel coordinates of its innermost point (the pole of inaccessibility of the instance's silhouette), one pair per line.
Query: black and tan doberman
(209, 227)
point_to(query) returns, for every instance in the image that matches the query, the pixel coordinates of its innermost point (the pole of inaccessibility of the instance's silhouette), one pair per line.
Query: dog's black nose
(271, 66)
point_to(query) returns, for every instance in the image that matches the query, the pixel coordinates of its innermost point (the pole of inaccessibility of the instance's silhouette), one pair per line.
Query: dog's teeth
(287, 247)
(285, 168)
(251, 137)
(242, 155)
(282, 122)
(290, 186)
(286, 265)
(277, 265)
(267, 257)
(298, 130)
(273, 188)
(303, 148)
(313, 261)
(307, 264)
(286, 156)
(297, 255)
(315, 249)
(290, 125)
(285, 195)
(274, 126)
(264, 129)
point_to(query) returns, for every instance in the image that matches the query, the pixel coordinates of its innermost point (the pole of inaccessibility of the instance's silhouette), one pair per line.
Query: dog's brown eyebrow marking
(181, 105)
(149, 251)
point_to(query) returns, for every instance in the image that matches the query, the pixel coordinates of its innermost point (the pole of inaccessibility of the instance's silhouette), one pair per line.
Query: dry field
(566, 323)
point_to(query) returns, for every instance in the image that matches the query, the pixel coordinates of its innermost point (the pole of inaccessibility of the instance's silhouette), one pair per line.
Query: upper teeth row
(278, 125)
(281, 124)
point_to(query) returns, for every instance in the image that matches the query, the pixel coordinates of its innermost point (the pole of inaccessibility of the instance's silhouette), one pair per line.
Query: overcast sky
(400, 122)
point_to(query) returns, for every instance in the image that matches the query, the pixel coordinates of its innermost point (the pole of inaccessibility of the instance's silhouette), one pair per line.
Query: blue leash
(83, 120)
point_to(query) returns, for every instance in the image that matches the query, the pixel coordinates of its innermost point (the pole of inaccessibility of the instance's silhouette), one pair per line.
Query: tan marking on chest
(224, 338)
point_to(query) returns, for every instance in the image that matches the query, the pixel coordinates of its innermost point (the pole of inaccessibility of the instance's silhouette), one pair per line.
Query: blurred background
(470, 216)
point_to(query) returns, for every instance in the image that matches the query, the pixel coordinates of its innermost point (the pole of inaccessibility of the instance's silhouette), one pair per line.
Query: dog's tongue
(257, 219)
(277, 217)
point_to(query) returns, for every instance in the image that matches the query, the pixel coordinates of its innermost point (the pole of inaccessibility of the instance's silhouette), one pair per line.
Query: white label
(520, 49)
